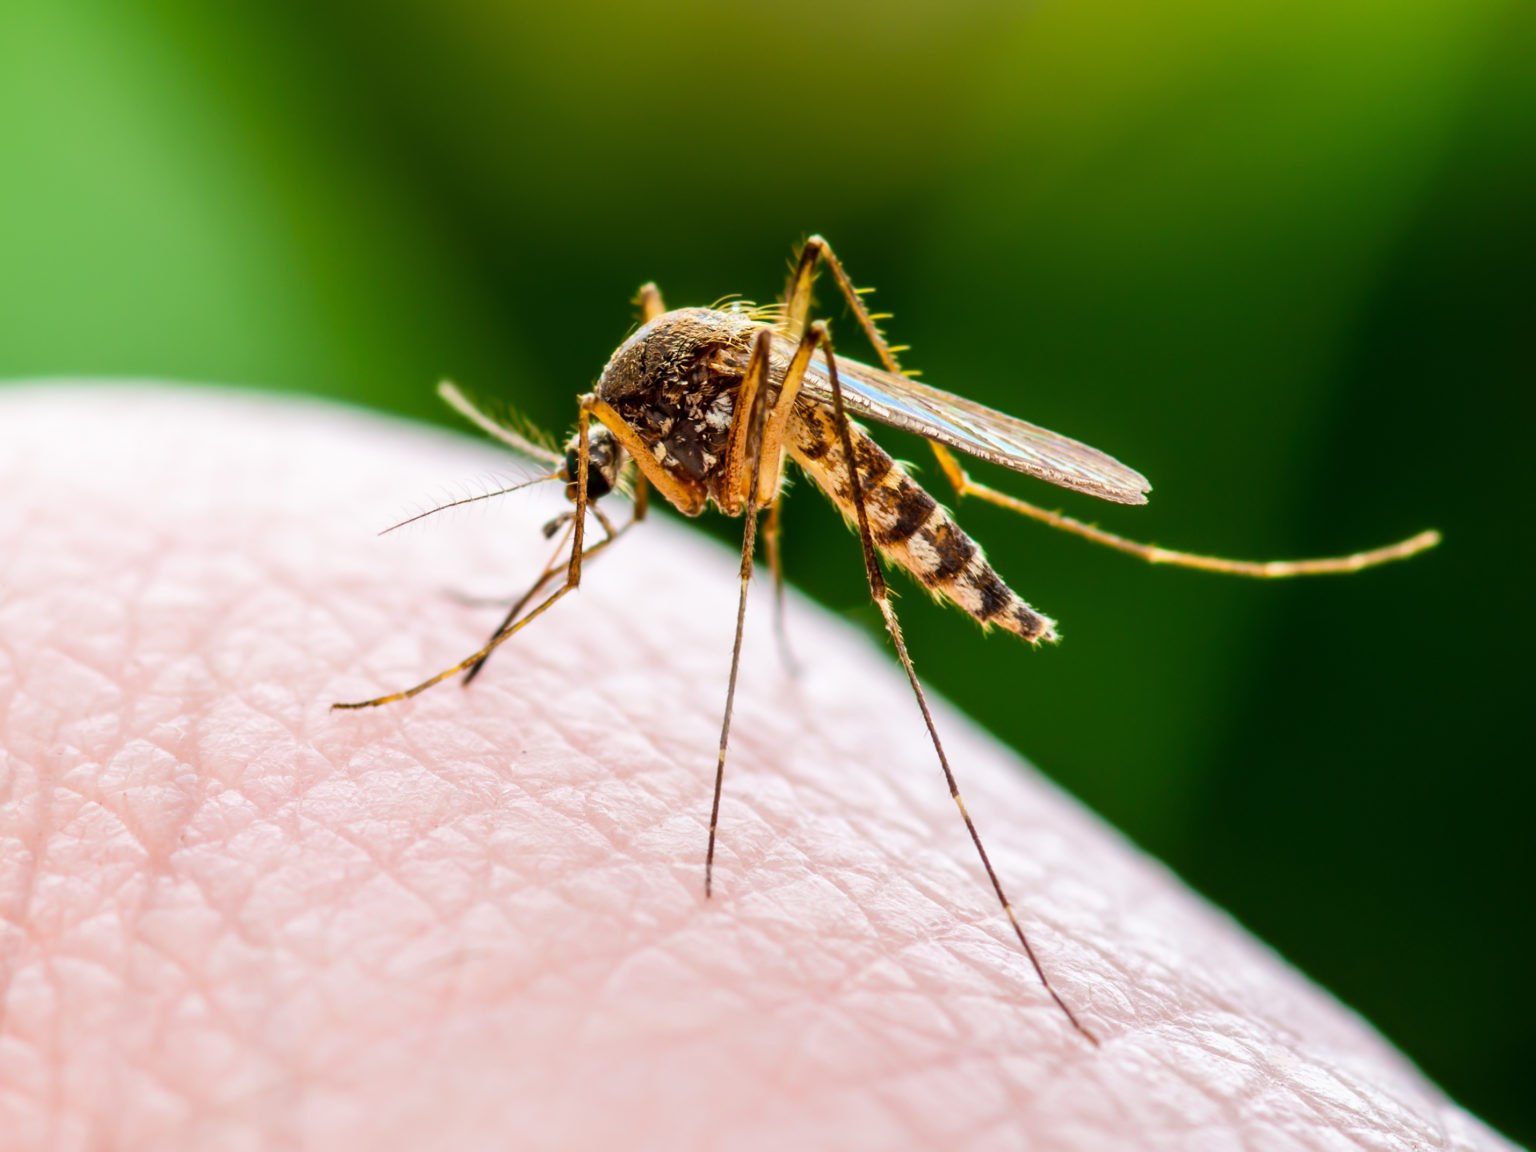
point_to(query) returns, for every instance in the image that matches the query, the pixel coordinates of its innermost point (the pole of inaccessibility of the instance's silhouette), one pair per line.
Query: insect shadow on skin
(705, 404)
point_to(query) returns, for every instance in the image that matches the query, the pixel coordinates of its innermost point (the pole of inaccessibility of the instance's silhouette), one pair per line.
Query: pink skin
(232, 918)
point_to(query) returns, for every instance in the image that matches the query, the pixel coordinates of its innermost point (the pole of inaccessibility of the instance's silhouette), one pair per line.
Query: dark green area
(1277, 256)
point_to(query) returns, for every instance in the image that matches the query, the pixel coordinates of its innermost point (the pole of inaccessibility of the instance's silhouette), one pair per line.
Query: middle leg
(753, 470)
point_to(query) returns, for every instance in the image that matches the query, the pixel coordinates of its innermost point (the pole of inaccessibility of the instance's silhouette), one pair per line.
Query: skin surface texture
(231, 918)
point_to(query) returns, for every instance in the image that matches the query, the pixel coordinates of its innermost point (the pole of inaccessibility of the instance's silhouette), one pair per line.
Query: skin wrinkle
(942, 1128)
(34, 849)
(480, 912)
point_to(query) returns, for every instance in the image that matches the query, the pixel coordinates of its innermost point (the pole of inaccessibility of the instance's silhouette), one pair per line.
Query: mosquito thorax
(674, 382)
(667, 347)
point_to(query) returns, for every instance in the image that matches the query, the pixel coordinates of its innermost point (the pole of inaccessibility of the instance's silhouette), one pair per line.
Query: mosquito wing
(974, 429)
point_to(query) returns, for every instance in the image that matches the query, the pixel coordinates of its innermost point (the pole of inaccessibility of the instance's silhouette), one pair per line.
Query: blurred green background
(1276, 255)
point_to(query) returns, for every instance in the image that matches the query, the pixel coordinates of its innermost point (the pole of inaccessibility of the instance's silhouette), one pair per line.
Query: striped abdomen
(907, 524)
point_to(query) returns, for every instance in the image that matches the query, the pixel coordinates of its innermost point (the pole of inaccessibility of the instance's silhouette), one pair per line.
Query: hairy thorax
(675, 383)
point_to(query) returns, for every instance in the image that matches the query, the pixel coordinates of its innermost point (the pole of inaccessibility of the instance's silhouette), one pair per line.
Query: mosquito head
(604, 459)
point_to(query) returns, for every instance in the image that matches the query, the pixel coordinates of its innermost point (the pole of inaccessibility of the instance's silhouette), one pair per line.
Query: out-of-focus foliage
(1277, 256)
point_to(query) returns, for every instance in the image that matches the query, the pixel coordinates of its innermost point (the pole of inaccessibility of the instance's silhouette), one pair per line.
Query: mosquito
(705, 404)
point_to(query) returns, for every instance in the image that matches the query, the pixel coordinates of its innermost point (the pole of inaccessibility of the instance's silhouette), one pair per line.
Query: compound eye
(597, 480)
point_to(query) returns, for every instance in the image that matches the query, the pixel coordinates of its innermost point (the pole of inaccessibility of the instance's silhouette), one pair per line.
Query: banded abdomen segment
(909, 527)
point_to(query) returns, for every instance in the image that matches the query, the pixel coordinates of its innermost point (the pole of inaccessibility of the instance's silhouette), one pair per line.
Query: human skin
(233, 918)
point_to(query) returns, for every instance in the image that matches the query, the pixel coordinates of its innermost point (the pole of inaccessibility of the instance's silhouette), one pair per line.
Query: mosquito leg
(772, 531)
(743, 449)
(769, 468)
(469, 662)
(797, 304)
(551, 570)
(776, 426)
(1152, 554)
(756, 375)
(684, 495)
(572, 582)
(650, 302)
(797, 301)
(465, 600)
(642, 499)
(881, 594)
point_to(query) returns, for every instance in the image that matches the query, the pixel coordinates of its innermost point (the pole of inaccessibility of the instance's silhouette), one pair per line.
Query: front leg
(650, 302)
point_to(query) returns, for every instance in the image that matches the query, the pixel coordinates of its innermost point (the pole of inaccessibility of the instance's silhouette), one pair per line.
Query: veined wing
(974, 429)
